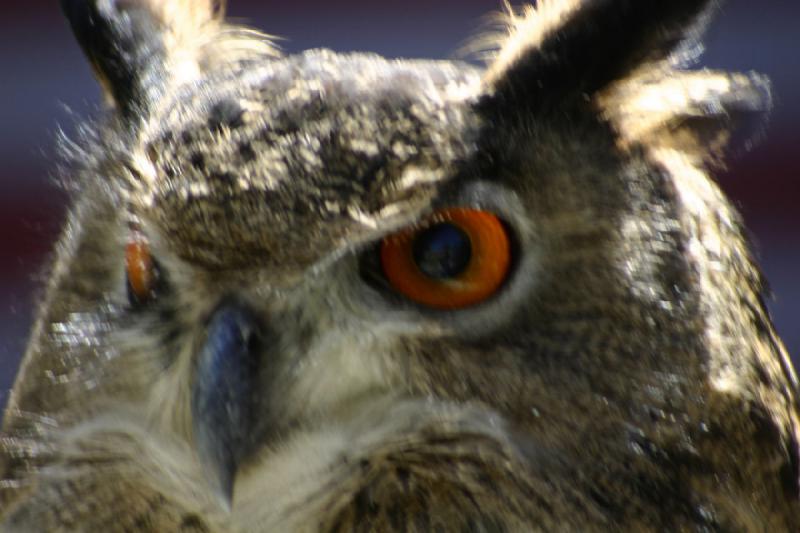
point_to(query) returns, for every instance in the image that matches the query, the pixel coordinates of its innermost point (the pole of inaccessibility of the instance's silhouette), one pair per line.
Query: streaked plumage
(220, 349)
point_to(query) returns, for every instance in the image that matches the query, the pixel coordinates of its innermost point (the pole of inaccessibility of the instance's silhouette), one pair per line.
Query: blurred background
(45, 85)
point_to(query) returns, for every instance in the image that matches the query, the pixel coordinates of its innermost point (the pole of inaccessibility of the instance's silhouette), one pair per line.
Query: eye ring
(472, 273)
(141, 271)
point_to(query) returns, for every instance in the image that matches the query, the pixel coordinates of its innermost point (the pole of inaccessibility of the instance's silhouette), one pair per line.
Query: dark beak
(223, 395)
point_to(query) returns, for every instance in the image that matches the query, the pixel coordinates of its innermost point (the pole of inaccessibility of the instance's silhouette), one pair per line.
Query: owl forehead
(306, 153)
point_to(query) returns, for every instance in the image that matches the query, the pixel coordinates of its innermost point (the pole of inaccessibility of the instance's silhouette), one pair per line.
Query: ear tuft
(140, 47)
(701, 114)
(564, 51)
(525, 30)
(184, 18)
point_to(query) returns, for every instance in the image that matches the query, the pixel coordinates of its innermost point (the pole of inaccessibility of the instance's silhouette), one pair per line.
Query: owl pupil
(442, 251)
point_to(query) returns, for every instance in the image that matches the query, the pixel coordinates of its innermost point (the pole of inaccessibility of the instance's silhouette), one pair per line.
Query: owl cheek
(223, 412)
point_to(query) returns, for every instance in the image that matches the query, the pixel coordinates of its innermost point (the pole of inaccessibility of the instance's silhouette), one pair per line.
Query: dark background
(45, 85)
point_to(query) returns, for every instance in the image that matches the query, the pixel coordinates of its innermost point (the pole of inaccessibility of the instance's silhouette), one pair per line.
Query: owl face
(269, 211)
(334, 291)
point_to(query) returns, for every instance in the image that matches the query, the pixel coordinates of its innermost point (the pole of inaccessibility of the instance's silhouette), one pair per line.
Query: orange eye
(457, 258)
(141, 270)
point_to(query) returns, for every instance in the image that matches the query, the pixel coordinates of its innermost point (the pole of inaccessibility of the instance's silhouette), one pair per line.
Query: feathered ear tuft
(139, 47)
(525, 31)
(699, 114)
(184, 19)
(564, 50)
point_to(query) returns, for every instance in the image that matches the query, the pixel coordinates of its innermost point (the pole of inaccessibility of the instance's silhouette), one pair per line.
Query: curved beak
(223, 401)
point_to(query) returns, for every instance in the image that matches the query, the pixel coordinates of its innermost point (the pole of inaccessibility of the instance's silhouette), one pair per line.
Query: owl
(334, 292)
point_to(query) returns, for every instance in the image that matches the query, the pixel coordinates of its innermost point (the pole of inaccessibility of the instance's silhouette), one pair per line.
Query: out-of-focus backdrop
(45, 85)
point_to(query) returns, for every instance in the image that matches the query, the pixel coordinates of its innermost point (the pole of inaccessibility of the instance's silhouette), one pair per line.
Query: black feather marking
(603, 41)
(122, 41)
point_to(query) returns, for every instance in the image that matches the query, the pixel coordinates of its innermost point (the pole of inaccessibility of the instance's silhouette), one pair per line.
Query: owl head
(330, 290)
